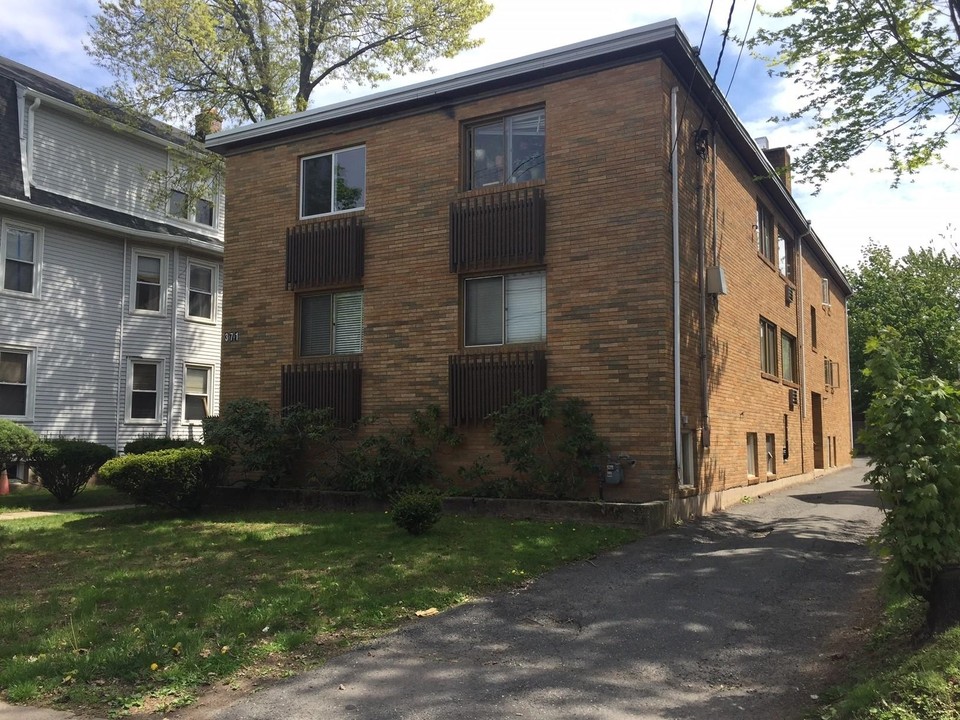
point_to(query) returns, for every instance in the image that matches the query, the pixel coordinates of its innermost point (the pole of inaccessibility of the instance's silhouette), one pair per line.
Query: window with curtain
(505, 309)
(331, 324)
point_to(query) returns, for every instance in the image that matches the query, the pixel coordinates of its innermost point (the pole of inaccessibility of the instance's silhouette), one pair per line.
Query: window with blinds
(331, 324)
(505, 309)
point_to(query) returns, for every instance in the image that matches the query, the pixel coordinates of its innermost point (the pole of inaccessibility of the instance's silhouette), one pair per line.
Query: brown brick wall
(608, 265)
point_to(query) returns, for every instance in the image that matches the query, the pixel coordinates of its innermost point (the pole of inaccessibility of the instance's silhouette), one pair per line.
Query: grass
(134, 609)
(32, 497)
(899, 677)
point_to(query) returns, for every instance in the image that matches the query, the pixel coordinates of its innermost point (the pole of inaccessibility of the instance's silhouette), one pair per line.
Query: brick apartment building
(527, 225)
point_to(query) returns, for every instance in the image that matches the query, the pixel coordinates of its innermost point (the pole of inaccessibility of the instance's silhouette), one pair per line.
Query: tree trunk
(944, 610)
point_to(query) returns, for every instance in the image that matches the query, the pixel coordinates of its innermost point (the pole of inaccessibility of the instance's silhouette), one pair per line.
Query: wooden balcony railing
(335, 385)
(482, 384)
(325, 253)
(498, 230)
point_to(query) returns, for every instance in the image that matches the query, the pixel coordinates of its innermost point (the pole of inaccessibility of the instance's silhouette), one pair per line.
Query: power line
(742, 45)
(693, 75)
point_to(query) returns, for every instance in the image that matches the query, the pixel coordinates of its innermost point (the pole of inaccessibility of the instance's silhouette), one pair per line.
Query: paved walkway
(21, 514)
(727, 617)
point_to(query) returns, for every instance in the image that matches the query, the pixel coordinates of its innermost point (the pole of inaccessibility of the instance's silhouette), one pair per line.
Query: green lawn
(31, 497)
(138, 609)
(903, 675)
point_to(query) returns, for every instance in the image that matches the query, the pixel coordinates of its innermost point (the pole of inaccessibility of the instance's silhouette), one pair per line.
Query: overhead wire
(693, 76)
(743, 44)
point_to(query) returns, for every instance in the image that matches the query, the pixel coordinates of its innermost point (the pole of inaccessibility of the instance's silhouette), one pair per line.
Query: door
(816, 405)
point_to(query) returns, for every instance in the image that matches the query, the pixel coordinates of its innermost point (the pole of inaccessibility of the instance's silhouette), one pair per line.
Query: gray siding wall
(74, 326)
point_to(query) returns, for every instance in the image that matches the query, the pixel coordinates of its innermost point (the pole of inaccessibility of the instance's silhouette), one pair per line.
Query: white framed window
(786, 249)
(201, 291)
(20, 252)
(199, 210)
(505, 309)
(508, 149)
(148, 281)
(197, 385)
(331, 324)
(751, 454)
(825, 291)
(144, 381)
(768, 347)
(333, 182)
(17, 382)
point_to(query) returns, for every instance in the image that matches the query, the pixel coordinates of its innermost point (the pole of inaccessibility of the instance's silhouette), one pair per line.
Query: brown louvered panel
(335, 385)
(482, 384)
(498, 230)
(325, 253)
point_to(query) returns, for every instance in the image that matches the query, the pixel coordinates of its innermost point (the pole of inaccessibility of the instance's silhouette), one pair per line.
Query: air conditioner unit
(789, 293)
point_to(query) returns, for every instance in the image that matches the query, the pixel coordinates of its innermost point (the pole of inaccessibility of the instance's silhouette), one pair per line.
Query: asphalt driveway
(728, 617)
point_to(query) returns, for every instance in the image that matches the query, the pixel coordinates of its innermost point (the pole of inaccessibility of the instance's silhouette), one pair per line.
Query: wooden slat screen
(335, 385)
(325, 253)
(482, 384)
(505, 228)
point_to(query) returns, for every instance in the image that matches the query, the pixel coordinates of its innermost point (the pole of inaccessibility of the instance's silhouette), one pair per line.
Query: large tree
(252, 60)
(870, 72)
(919, 295)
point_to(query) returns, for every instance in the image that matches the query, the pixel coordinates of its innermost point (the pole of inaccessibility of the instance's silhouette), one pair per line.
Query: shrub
(913, 438)
(550, 442)
(16, 442)
(181, 478)
(150, 444)
(65, 465)
(385, 464)
(417, 509)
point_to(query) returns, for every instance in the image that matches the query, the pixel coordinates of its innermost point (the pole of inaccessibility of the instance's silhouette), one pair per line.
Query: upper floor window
(510, 149)
(196, 392)
(20, 255)
(16, 383)
(333, 182)
(768, 347)
(143, 391)
(505, 309)
(825, 291)
(787, 256)
(766, 234)
(788, 357)
(149, 283)
(202, 281)
(200, 210)
(331, 324)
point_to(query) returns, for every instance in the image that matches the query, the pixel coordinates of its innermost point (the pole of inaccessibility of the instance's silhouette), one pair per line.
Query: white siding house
(109, 300)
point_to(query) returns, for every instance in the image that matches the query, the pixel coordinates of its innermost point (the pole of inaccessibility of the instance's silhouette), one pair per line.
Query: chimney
(206, 122)
(780, 159)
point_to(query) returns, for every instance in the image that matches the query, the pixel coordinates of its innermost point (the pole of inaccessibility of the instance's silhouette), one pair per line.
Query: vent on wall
(788, 294)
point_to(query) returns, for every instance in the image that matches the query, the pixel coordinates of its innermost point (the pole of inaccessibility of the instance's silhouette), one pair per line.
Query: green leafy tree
(919, 294)
(885, 72)
(258, 59)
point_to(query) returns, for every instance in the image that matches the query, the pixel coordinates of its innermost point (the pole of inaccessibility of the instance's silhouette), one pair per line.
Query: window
(143, 391)
(825, 291)
(201, 280)
(813, 327)
(771, 454)
(149, 280)
(505, 309)
(689, 447)
(751, 454)
(768, 347)
(200, 210)
(831, 373)
(788, 357)
(196, 392)
(16, 383)
(766, 239)
(510, 149)
(787, 255)
(333, 182)
(20, 255)
(331, 324)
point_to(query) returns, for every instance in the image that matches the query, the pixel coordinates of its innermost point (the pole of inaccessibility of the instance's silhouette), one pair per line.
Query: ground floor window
(771, 454)
(143, 390)
(197, 381)
(16, 383)
(688, 442)
(751, 454)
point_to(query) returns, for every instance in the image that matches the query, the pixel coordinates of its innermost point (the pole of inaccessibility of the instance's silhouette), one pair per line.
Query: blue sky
(855, 205)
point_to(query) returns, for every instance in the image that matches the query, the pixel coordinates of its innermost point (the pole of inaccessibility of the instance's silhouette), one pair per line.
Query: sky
(854, 207)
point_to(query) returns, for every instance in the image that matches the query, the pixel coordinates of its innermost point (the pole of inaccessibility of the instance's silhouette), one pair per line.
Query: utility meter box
(716, 281)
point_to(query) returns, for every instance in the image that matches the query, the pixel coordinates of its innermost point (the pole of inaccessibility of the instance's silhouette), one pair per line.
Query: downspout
(174, 319)
(674, 170)
(846, 335)
(25, 116)
(802, 311)
(121, 405)
(701, 149)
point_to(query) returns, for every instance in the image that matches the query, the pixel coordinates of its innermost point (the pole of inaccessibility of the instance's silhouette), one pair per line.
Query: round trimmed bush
(16, 442)
(417, 510)
(65, 465)
(181, 478)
